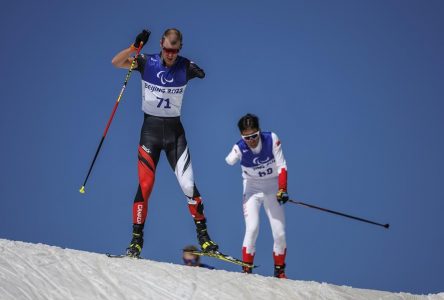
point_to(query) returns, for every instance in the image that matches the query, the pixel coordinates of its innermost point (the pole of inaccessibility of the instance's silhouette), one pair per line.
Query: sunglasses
(170, 50)
(251, 137)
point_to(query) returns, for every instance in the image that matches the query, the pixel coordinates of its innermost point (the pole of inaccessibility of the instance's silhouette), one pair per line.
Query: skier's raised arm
(123, 59)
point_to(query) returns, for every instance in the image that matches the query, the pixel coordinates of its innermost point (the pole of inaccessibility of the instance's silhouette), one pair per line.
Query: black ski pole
(82, 189)
(339, 213)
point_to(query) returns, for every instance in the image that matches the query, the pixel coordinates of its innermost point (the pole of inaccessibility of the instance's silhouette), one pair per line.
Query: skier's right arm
(234, 155)
(123, 59)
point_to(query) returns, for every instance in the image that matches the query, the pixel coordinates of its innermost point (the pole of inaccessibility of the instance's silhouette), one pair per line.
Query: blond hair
(176, 33)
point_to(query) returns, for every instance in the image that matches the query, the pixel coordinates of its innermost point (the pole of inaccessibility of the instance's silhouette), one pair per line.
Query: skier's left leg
(276, 216)
(180, 160)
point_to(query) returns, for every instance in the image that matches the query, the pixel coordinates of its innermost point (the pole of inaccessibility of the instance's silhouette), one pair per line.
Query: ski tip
(82, 190)
(387, 226)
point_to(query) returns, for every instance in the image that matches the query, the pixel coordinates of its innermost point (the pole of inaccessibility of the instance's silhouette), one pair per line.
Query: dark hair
(174, 31)
(249, 121)
(189, 248)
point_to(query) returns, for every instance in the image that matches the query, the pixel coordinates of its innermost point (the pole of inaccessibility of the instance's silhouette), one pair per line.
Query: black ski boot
(204, 239)
(136, 244)
(279, 271)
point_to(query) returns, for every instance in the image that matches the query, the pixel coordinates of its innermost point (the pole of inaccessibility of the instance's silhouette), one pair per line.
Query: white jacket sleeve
(234, 156)
(277, 152)
(281, 164)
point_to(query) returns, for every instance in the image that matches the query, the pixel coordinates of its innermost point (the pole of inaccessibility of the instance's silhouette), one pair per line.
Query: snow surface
(37, 271)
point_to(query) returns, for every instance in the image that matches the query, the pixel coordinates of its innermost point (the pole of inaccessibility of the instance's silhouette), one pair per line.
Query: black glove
(142, 37)
(282, 197)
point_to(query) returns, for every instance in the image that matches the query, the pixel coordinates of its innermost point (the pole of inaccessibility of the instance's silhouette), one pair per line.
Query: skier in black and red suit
(164, 78)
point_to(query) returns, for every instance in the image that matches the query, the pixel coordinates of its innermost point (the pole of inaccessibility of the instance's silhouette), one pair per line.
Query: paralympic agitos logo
(163, 78)
(258, 161)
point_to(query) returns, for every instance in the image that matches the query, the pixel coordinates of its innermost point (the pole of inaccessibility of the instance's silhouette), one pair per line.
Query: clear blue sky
(354, 89)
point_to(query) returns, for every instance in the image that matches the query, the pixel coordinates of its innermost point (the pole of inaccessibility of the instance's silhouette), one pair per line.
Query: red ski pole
(82, 189)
